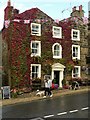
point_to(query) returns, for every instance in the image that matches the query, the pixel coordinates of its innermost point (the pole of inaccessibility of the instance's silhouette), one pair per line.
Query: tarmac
(29, 97)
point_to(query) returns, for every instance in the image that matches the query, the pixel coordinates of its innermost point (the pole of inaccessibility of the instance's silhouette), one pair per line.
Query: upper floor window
(35, 48)
(35, 29)
(57, 50)
(75, 52)
(35, 71)
(76, 72)
(57, 32)
(75, 35)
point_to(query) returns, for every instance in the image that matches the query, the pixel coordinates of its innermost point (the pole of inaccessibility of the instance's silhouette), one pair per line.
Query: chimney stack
(79, 12)
(9, 3)
(80, 8)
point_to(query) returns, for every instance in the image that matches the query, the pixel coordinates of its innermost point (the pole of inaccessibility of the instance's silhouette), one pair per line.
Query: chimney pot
(74, 9)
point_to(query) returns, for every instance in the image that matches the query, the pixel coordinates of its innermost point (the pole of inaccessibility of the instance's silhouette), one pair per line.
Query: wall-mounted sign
(6, 92)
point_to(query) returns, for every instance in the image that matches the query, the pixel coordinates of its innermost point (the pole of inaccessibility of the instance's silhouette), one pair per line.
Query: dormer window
(75, 35)
(57, 32)
(36, 29)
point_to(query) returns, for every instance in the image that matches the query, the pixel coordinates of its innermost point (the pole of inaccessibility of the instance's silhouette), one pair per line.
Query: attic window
(36, 29)
(75, 34)
(57, 32)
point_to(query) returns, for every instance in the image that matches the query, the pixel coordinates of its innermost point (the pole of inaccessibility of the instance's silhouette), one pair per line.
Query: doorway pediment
(58, 66)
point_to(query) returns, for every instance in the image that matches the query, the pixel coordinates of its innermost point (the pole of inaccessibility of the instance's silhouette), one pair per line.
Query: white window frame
(78, 52)
(76, 75)
(53, 30)
(60, 50)
(78, 35)
(38, 33)
(39, 70)
(39, 49)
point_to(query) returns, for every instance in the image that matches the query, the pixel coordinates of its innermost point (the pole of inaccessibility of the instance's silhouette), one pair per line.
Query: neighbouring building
(0, 59)
(88, 57)
(38, 46)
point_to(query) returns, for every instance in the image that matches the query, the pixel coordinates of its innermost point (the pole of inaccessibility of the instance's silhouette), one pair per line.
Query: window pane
(75, 34)
(75, 72)
(35, 47)
(75, 51)
(35, 70)
(56, 53)
(56, 47)
(34, 51)
(56, 50)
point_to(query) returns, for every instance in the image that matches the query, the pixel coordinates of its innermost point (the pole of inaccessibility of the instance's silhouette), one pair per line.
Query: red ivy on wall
(18, 37)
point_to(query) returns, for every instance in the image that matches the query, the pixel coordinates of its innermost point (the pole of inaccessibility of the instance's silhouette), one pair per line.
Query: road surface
(68, 106)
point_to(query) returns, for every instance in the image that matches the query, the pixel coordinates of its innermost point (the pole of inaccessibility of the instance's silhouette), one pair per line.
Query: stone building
(88, 57)
(37, 46)
(83, 39)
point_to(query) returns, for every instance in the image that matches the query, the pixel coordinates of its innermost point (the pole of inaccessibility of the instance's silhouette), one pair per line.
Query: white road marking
(63, 113)
(85, 108)
(37, 118)
(48, 116)
(73, 111)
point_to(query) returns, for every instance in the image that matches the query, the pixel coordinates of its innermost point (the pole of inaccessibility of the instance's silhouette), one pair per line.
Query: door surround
(58, 67)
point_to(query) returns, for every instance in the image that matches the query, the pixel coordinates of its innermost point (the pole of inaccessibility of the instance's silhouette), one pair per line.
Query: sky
(53, 8)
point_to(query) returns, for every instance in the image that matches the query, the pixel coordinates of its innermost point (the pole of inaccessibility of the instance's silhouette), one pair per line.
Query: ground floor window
(76, 72)
(35, 71)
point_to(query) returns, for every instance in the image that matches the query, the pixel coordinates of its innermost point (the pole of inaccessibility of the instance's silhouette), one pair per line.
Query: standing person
(48, 84)
(46, 87)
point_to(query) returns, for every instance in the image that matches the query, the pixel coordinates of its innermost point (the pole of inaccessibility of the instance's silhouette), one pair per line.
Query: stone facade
(24, 66)
(83, 40)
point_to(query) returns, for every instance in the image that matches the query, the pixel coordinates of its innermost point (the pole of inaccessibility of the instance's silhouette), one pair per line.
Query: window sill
(57, 57)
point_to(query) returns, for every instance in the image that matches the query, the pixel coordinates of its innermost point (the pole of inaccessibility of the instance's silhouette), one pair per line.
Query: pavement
(28, 97)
